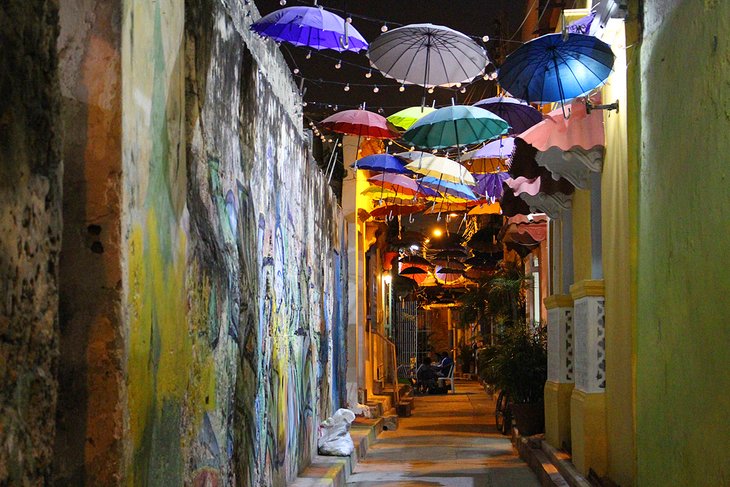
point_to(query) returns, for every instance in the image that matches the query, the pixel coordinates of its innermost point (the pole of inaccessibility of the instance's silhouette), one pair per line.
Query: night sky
(499, 19)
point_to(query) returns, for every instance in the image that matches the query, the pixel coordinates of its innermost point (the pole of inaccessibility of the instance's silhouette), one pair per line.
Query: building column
(588, 400)
(559, 385)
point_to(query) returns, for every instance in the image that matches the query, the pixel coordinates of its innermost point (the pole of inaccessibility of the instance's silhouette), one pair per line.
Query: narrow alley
(449, 440)
(293, 243)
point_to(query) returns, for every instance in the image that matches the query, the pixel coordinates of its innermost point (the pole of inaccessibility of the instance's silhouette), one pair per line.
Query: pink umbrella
(396, 182)
(359, 122)
(581, 129)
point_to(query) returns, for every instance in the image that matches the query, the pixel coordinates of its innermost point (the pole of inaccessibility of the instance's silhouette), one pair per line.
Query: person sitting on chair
(425, 376)
(444, 367)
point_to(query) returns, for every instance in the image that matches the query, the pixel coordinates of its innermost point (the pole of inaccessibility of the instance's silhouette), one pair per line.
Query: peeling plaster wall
(683, 310)
(30, 232)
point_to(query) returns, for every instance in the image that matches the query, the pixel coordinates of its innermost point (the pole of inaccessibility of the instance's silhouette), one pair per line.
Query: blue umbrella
(454, 189)
(517, 113)
(490, 185)
(381, 163)
(550, 69)
(312, 27)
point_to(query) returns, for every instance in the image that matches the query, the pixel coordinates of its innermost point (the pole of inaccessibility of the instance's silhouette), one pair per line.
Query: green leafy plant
(520, 362)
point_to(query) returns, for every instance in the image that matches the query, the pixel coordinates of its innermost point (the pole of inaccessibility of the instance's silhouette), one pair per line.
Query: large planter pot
(529, 418)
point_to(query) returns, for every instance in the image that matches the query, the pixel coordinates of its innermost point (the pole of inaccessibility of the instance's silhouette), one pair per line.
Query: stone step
(546, 472)
(564, 465)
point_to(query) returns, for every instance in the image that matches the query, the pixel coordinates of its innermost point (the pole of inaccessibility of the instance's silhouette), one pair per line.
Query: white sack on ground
(334, 434)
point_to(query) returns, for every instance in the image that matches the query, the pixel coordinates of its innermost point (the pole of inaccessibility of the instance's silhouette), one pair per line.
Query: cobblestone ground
(450, 440)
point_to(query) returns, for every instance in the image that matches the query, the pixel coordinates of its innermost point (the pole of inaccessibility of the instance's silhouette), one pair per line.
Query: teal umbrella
(455, 126)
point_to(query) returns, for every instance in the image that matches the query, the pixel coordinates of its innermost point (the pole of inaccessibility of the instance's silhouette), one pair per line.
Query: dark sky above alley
(495, 18)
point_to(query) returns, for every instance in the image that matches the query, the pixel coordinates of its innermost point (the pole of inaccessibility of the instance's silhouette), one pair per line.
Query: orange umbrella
(486, 208)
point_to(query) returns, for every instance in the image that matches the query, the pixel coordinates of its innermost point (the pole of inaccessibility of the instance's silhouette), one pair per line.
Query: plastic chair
(449, 378)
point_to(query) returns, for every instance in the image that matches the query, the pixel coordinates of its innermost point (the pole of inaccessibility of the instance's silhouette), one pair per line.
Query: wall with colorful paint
(234, 255)
(204, 292)
(682, 331)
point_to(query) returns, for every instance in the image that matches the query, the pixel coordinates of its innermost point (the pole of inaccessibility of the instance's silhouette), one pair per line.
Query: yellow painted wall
(616, 270)
(581, 235)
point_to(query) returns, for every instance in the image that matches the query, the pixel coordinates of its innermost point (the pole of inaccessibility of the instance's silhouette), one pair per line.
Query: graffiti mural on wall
(233, 281)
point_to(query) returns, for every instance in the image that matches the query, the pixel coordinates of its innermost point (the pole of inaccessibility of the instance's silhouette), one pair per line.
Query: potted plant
(520, 368)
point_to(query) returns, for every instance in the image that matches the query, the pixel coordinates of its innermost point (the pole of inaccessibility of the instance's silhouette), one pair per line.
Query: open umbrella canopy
(408, 116)
(497, 149)
(454, 189)
(311, 27)
(395, 210)
(381, 163)
(402, 184)
(449, 207)
(517, 113)
(359, 122)
(551, 68)
(442, 168)
(415, 259)
(490, 185)
(486, 209)
(380, 193)
(427, 55)
(454, 126)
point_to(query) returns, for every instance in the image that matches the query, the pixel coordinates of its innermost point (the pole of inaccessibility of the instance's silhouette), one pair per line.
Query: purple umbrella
(518, 114)
(497, 149)
(490, 185)
(402, 184)
(312, 27)
(583, 25)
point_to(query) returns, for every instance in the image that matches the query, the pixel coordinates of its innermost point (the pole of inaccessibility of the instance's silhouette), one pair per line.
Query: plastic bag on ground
(362, 410)
(334, 434)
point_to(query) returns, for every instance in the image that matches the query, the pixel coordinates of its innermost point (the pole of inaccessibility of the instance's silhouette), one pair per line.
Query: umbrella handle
(344, 40)
(410, 218)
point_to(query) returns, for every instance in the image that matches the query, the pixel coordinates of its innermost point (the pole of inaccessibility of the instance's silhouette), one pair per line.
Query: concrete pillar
(588, 401)
(559, 385)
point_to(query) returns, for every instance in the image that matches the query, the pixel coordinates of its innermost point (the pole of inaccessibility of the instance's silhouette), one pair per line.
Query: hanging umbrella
(415, 155)
(408, 116)
(449, 263)
(380, 193)
(556, 68)
(448, 275)
(449, 207)
(490, 185)
(454, 126)
(482, 166)
(395, 182)
(442, 168)
(427, 55)
(447, 187)
(414, 259)
(416, 273)
(395, 210)
(497, 149)
(312, 27)
(451, 254)
(486, 209)
(517, 113)
(381, 163)
(359, 122)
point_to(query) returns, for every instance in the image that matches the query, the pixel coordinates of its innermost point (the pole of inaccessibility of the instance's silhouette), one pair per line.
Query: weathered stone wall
(90, 419)
(30, 233)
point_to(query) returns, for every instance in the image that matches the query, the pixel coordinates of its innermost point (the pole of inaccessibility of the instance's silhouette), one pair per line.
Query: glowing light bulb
(347, 87)
(376, 89)
(430, 90)
(384, 28)
(339, 144)
(411, 149)
(434, 151)
(304, 104)
(369, 73)
(458, 85)
(485, 39)
(390, 142)
(309, 55)
(296, 70)
(336, 108)
(348, 20)
(338, 65)
(485, 77)
(329, 140)
(282, 2)
(402, 88)
(463, 90)
(437, 232)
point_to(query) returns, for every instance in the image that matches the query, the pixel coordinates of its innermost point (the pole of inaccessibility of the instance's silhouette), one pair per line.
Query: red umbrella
(359, 122)
(395, 210)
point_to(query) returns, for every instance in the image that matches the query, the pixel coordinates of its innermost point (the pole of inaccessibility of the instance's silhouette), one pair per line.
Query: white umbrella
(441, 168)
(427, 55)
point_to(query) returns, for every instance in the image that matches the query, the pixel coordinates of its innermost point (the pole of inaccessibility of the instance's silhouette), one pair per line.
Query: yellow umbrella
(378, 192)
(407, 117)
(442, 168)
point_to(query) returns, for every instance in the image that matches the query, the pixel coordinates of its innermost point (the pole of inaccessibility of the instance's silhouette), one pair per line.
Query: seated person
(425, 376)
(444, 367)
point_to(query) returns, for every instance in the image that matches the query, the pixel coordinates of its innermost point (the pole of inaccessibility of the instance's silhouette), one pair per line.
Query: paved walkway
(449, 441)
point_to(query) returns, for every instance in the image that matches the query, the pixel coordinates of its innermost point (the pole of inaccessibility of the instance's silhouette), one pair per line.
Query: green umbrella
(455, 126)
(408, 116)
